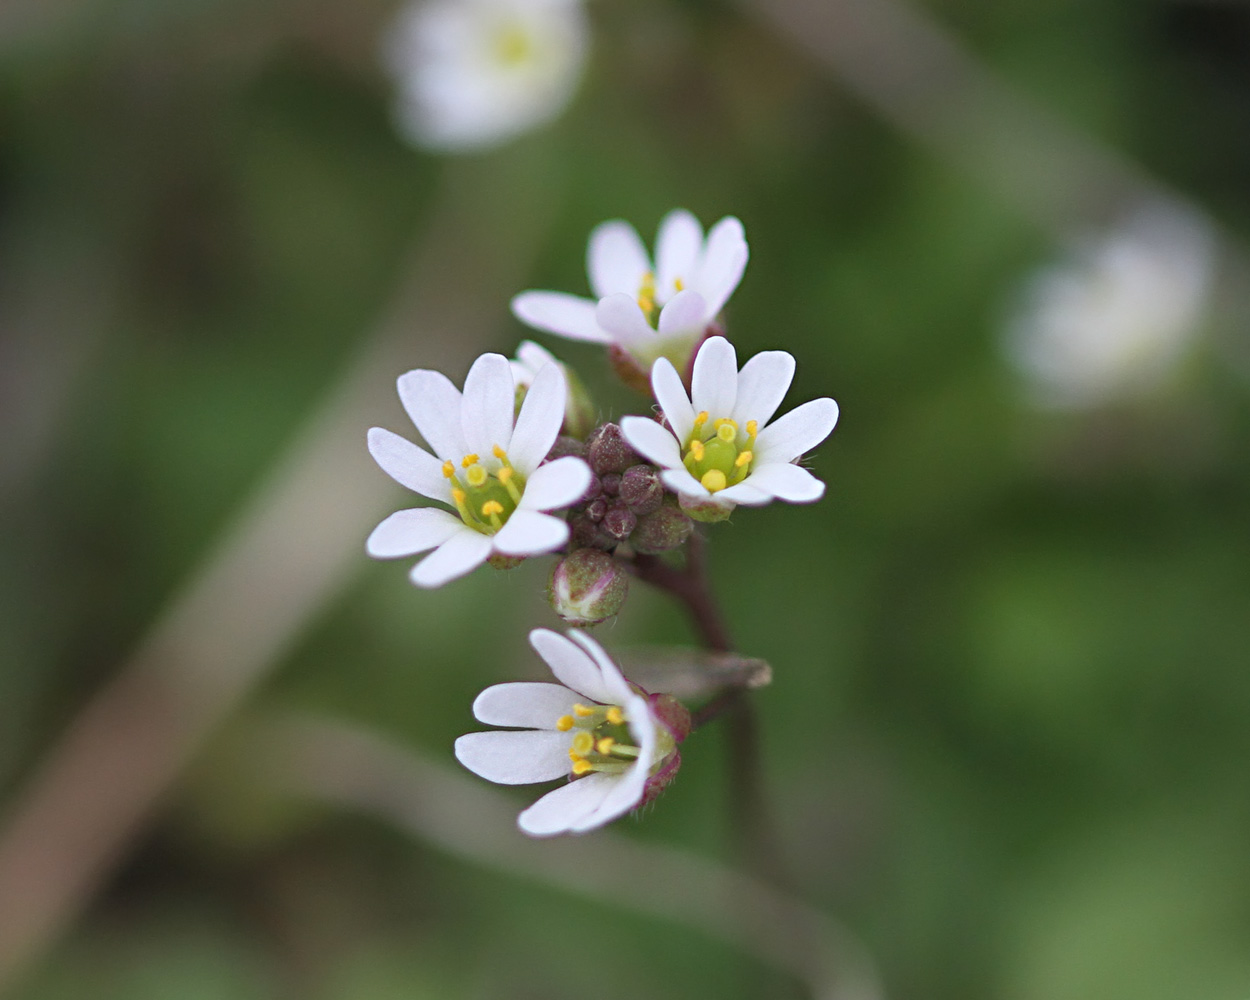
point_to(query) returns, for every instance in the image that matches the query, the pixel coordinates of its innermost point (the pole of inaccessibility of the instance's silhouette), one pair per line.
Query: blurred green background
(1007, 741)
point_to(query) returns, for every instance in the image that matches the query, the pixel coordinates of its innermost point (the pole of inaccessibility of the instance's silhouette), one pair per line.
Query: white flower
(592, 727)
(1117, 317)
(579, 409)
(650, 310)
(475, 73)
(486, 468)
(721, 449)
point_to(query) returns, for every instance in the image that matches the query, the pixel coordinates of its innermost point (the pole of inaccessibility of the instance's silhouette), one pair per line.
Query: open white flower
(721, 450)
(475, 73)
(486, 468)
(1118, 317)
(593, 727)
(651, 310)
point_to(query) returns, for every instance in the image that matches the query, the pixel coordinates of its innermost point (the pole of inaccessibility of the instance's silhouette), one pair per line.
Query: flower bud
(587, 586)
(611, 483)
(661, 530)
(641, 489)
(607, 451)
(566, 445)
(596, 509)
(619, 522)
(498, 560)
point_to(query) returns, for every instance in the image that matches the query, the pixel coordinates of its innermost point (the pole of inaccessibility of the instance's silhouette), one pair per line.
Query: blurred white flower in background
(476, 73)
(1119, 315)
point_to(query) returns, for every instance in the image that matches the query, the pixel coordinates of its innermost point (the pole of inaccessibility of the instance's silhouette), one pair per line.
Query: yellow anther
(727, 431)
(744, 458)
(581, 766)
(700, 420)
(499, 453)
(491, 507)
(476, 475)
(753, 427)
(458, 495)
(646, 293)
(582, 711)
(696, 449)
(615, 716)
(678, 284)
(583, 743)
(605, 745)
(713, 480)
(564, 723)
(449, 470)
(468, 460)
(504, 474)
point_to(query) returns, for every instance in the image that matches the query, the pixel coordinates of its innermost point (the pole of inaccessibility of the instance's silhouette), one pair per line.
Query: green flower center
(485, 498)
(602, 740)
(718, 454)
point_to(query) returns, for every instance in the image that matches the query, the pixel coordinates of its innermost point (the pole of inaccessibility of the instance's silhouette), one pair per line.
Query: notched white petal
(487, 405)
(622, 317)
(408, 464)
(530, 533)
(408, 532)
(572, 666)
(714, 381)
(797, 432)
(564, 315)
(530, 704)
(556, 485)
(788, 482)
(538, 423)
(652, 441)
(762, 385)
(670, 393)
(515, 758)
(462, 553)
(687, 313)
(559, 811)
(616, 260)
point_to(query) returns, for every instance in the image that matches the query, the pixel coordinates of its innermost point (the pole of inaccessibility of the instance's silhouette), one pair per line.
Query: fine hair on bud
(641, 489)
(661, 531)
(607, 450)
(587, 586)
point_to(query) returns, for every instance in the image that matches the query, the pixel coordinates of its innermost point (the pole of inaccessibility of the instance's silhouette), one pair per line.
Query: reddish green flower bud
(607, 451)
(661, 530)
(564, 446)
(641, 489)
(587, 586)
(619, 522)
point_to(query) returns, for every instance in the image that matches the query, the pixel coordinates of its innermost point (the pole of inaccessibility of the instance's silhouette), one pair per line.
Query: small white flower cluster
(520, 473)
(473, 74)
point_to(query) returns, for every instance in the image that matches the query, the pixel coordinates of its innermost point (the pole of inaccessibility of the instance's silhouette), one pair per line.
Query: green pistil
(718, 454)
(484, 498)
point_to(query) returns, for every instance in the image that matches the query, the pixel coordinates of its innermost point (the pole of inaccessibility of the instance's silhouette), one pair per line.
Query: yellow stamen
(678, 284)
(504, 474)
(713, 480)
(744, 458)
(583, 743)
(468, 460)
(696, 449)
(476, 475)
(615, 716)
(700, 420)
(449, 470)
(646, 293)
(564, 723)
(499, 453)
(491, 507)
(753, 427)
(583, 711)
(581, 766)
(604, 746)
(459, 496)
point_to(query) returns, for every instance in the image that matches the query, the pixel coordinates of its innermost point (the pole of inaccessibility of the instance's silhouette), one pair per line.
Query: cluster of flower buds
(521, 472)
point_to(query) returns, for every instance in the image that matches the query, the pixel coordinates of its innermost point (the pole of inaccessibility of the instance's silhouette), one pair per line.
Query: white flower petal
(564, 315)
(534, 356)
(572, 666)
(409, 465)
(433, 405)
(407, 532)
(678, 247)
(515, 758)
(556, 485)
(744, 493)
(487, 405)
(524, 703)
(724, 260)
(538, 423)
(614, 683)
(797, 432)
(622, 317)
(559, 810)
(686, 313)
(681, 481)
(714, 382)
(670, 393)
(651, 440)
(616, 260)
(529, 533)
(787, 482)
(762, 384)
(460, 554)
